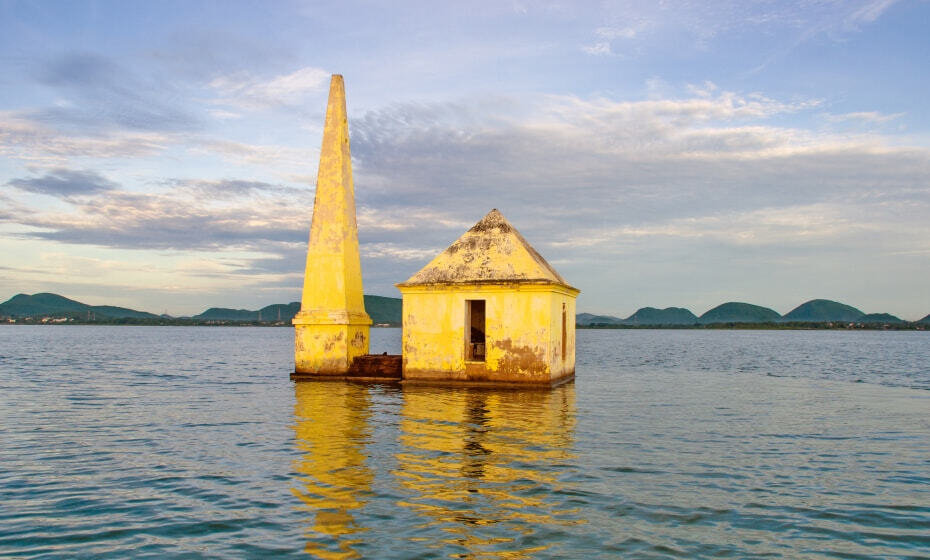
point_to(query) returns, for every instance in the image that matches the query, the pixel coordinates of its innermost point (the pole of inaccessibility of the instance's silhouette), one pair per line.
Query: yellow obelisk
(332, 326)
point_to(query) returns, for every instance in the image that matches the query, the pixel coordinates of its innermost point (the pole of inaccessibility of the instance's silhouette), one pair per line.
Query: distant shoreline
(788, 326)
(388, 312)
(160, 322)
(817, 314)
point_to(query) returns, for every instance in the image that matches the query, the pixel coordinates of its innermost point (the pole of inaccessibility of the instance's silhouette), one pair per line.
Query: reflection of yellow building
(332, 424)
(489, 308)
(474, 460)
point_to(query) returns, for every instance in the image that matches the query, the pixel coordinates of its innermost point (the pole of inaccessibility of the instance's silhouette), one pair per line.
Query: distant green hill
(823, 310)
(226, 314)
(46, 304)
(667, 316)
(389, 311)
(886, 318)
(585, 319)
(274, 312)
(736, 312)
(382, 310)
(279, 311)
(24, 305)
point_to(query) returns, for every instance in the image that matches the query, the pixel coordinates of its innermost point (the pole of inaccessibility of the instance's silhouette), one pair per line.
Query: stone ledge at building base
(301, 377)
(375, 368)
(490, 384)
(377, 365)
(386, 368)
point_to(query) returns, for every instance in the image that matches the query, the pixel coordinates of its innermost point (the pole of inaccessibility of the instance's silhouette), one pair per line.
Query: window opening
(564, 330)
(474, 330)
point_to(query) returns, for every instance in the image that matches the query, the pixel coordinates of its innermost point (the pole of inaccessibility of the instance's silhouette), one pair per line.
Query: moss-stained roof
(491, 251)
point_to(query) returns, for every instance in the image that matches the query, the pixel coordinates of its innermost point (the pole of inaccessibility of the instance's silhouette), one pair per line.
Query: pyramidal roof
(491, 251)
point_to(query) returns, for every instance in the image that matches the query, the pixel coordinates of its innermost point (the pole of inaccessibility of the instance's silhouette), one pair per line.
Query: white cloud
(394, 251)
(181, 217)
(24, 139)
(867, 12)
(248, 92)
(592, 182)
(705, 106)
(224, 115)
(873, 117)
(598, 49)
(626, 32)
(407, 218)
(699, 24)
(799, 224)
(276, 157)
(606, 36)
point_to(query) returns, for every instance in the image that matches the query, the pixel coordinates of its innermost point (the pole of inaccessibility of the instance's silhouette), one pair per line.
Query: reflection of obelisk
(332, 326)
(332, 424)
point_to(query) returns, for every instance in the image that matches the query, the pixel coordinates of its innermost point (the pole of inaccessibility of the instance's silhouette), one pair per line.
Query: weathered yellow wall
(328, 349)
(560, 366)
(333, 275)
(331, 328)
(520, 343)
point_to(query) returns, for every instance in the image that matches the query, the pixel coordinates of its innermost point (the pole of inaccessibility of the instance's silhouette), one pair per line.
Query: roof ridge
(491, 251)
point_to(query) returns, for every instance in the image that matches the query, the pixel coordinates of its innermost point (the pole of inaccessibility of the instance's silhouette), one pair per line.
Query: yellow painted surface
(328, 349)
(463, 447)
(458, 451)
(331, 422)
(524, 302)
(523, 336)
(491, 251)
(332, 326)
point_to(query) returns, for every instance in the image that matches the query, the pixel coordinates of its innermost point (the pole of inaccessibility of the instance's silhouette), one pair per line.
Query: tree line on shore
(816, 311)
(387, 311)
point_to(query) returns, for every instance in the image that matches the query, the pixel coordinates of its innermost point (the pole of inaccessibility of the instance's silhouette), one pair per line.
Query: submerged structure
(331, 328)
(487, 310)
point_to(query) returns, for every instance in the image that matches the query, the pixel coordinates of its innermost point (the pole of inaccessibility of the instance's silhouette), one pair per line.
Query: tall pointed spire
(332, 326)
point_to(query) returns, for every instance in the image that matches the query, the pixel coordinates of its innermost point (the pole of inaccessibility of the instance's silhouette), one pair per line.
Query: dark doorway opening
(474, 330)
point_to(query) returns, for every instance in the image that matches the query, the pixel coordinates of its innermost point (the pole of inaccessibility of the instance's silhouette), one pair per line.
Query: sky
(162, 155)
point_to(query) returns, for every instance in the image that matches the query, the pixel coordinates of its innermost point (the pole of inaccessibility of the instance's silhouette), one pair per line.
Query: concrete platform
(528, 386)
(371, 368)
(388, 368)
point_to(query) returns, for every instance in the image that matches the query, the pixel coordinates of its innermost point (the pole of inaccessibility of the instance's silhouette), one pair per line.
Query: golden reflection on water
(481, 468)
(474, 458)
(332, 426)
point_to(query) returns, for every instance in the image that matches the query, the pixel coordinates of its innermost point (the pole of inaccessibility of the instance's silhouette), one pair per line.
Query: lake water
(192, 442)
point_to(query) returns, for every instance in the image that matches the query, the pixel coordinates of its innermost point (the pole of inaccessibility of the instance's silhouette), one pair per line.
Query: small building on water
(489, 309)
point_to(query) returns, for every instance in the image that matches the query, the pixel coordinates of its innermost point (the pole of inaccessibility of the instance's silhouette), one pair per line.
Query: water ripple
(157, 442)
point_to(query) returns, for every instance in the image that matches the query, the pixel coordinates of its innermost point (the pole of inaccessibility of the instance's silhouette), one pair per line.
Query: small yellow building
(489, 309)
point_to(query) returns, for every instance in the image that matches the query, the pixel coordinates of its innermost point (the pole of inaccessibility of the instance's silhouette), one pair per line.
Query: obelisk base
(326, 343)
